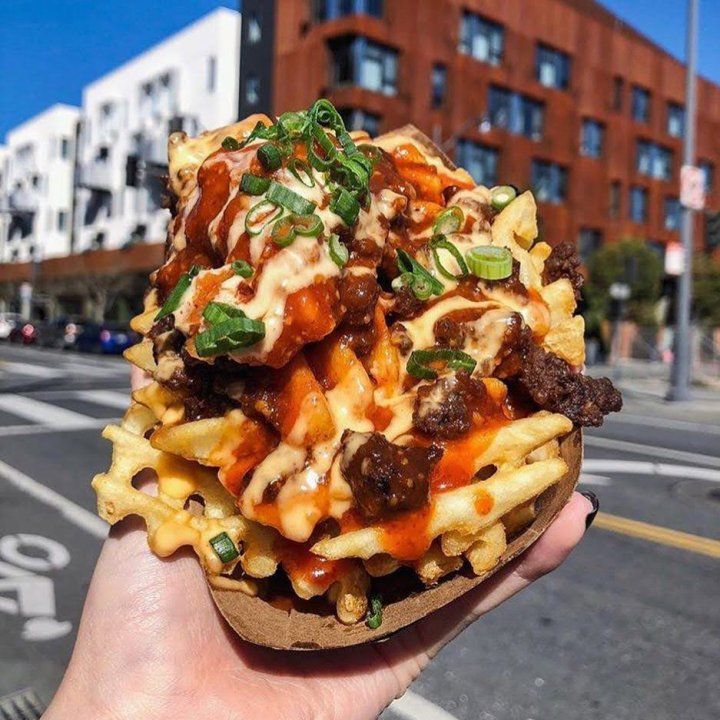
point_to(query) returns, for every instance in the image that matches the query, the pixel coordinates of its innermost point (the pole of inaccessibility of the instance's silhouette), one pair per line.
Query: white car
(7, 322)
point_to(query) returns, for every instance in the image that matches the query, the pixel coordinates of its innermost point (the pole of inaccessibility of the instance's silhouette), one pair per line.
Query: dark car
(24, 332)
(108, 338)
(60, 334)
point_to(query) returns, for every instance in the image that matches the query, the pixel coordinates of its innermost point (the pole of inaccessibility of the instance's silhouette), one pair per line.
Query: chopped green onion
(405, 279)
(417, 364)
(175, 296)
(424, 284)
(283, 232)
(260, 215)
(224, 547)
(440, 242)
(269, 157)
(230, 143)
(338, 252)
(320, 162)
(448, 221)
(345, 205)
(254, 184)
(217, 312)
(374, 613)
(372, 152)
(242, 268)
(229, 335)
(490, 262)
(309, 225)
(502, 196)
(292, 124)
(263, 132)
(302, 171)
(288, 199)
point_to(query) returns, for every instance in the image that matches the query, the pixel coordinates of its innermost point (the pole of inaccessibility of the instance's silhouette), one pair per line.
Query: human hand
(152, 644)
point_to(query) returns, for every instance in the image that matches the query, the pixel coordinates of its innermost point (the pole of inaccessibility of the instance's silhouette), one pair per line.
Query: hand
(151, 643)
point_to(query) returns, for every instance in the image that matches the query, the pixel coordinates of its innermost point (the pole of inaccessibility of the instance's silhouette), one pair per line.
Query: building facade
(83, 187)
(556, 95)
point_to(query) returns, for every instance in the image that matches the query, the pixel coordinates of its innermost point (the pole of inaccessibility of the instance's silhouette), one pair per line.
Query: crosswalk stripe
(38, 371)
(41, 412)
(109, 398)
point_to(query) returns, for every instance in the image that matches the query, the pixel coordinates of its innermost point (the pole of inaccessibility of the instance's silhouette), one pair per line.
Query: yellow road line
(658, 534)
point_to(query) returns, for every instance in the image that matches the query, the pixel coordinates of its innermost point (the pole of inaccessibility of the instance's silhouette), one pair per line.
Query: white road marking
(415, 707)
(38, 371)
(589, 479)
(85, 369)
(108, 398)
(647, 421)
(41, 412)
(636, 467)
(76, 514)
(90, 424)
(625, 446)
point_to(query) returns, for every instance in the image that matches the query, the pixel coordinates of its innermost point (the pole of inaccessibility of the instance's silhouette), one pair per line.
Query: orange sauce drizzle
(300, 563)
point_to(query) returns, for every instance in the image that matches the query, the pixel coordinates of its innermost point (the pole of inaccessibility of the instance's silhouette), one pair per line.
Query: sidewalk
(645, 384)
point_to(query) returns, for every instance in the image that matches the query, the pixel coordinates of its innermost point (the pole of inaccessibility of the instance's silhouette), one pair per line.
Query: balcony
(21, 200)
(96, 176)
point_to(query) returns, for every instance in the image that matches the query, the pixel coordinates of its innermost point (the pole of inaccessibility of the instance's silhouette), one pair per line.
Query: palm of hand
(151, 643)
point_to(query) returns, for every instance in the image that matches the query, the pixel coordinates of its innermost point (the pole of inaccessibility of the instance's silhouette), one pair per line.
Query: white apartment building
(187, 82)
(36, 189)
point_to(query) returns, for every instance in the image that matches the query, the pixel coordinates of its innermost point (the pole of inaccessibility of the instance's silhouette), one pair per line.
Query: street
(628, 628)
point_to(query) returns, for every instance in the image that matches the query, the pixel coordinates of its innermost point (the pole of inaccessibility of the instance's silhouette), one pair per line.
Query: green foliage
(630, 261)
(706, 290)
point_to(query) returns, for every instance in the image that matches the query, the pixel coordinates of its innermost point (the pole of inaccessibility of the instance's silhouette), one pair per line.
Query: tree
(706, 290)
(629, 261)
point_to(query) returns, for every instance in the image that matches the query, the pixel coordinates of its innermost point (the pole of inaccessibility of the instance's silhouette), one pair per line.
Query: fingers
(138, 378)
(544, 556)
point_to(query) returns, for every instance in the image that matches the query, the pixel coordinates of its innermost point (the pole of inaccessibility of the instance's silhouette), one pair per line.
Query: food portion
(360, 361)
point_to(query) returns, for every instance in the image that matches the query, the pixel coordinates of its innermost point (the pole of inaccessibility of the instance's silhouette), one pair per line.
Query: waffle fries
(304, 421)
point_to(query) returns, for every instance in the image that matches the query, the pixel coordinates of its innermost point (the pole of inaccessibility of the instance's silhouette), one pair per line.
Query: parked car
(8, 321)
(24, 332)
(108, 338)
(61, 334)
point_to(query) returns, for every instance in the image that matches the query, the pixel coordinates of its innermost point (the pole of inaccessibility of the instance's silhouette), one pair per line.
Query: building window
(439, 85)
(592, 137)
(252, 90)
(618, 92)
(211, 73)
(671, 220)
(654, 160)
(615, 199)
(675, 119)
(362, 62)
(479, 160)
(64, 148)
(61, 220)
(708, 170)
(640, 104)
(356, 119)
(638, 204)
(35, 181)
(330, 9)
(254, 31)
(589, 243)
(481, 38)
(518, 114)
(549, 181)
(552, 67)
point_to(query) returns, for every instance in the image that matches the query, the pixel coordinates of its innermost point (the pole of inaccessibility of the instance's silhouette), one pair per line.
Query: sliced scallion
(375, 613)
(254, 184)
(502, 196)
(224, 547)
(217, 312)
(338, 252)
(283, 231)
(260, 215)
(440, 242)
(269, 157)
(345, 205)
(242, 268)
(288, 199)
(173, 299)
(490, 262)
(229, 335)
(419, 361)
(230, 143)
(302, 171)
(449, 221)
(424, 284)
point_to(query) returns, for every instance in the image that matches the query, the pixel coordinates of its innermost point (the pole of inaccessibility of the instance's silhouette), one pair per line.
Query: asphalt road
(628, 628)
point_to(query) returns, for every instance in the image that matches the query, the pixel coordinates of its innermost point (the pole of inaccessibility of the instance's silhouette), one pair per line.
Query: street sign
(692, 187)
(674, 258)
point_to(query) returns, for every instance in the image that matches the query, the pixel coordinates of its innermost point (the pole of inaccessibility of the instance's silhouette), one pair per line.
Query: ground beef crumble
(563, 262)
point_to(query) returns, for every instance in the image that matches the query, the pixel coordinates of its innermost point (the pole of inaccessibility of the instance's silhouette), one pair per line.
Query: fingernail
(593, 498)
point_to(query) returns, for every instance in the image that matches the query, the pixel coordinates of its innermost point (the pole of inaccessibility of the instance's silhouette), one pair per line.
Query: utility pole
(682, 356)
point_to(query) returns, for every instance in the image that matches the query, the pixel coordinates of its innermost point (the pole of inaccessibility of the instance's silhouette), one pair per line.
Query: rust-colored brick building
(558, 95)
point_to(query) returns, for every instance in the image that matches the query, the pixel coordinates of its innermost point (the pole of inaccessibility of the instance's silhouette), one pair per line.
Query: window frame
(557, 175)
(638, 91)
(641, 192)
(560, 61)
(525, 116)
(438, 87)
(476, 26)
(470, 154)
(598, 146)
(671, 108)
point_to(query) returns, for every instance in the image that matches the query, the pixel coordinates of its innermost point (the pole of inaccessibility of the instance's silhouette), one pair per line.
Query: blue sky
(49, 49)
